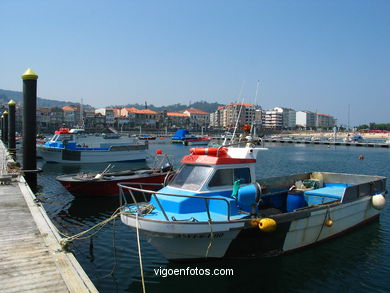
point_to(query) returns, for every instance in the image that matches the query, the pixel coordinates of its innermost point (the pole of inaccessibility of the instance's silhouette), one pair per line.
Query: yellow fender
(264, 224)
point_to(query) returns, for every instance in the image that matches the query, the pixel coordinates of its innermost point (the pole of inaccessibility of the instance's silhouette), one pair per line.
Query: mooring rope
(144, 210)
(211, 238)
(140, 255)
(327, 216)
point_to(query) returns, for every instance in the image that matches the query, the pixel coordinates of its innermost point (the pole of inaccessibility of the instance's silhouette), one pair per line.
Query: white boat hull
(307, 231)
(198, 142)
(180, 241)
(56, 155)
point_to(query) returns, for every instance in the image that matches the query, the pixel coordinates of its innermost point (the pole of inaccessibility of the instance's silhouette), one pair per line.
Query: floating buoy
(267, 225)
(329, 223)
(247, 127)
(378, 201)
(159, 152)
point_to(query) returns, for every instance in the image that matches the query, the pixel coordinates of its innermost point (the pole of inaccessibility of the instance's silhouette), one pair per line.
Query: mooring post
(11, 130)
(29, 127)
(5, 121)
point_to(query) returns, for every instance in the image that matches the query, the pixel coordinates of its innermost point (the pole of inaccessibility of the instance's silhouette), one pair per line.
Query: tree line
(375, 126)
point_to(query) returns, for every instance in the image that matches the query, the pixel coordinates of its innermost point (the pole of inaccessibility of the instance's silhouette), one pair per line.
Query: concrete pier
(327, 142)
(31, 257)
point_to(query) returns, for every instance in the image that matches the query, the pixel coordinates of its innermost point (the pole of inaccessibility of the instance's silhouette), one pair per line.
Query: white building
(273, 119)
(305, 119)
(280, 118)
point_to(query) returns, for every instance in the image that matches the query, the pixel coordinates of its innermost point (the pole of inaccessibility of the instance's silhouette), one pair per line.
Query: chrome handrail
(123, 186)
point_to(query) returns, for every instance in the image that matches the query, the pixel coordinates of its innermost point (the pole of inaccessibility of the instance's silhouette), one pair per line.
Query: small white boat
(197, 141)
(353, 138)
(64, 147)
(215, 208)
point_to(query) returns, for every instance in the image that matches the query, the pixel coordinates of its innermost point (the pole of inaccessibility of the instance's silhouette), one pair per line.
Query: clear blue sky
(314, 55)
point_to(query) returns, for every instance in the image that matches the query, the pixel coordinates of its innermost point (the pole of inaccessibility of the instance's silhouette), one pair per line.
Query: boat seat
(330, 192)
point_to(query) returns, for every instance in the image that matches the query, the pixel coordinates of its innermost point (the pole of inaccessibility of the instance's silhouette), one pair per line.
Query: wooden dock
(31, 257)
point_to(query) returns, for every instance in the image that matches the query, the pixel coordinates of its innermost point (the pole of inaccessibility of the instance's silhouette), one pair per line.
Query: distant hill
(7, 95)
(202, 105)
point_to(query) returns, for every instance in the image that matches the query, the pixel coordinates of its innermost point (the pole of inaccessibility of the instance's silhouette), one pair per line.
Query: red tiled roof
(137, 111)
(176, 114)
(68, 108)
(196, 111)
(241, 104)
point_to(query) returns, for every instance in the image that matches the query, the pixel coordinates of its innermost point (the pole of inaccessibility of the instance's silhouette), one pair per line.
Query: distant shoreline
(341, 134)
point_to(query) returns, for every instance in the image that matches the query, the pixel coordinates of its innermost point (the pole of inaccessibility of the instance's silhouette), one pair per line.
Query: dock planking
(31, 257)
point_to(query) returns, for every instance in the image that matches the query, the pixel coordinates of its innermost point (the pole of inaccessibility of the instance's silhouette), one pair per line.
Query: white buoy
(378, 201)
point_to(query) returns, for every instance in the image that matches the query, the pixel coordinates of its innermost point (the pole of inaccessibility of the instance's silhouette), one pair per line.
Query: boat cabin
(223, 177)
(63, 138)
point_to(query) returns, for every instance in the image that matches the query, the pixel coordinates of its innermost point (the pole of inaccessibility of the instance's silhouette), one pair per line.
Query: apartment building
(273, 119)
(325, 121)
(305, 119)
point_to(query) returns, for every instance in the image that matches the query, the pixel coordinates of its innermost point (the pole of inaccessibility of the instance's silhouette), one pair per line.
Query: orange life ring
(208, 151)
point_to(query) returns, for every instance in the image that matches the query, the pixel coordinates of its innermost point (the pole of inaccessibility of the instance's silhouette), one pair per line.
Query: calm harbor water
(356, 262)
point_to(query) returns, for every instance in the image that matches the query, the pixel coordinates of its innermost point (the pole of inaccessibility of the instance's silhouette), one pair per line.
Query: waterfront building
(325, 121)
(228, 115)
(273, 119)
(43, 118)
(56, 118)
(216, 117)
(280, 118)
(176, 120)
(305, 119)
(197, 117)
(136, 117)
(71, 115)
(110, 114)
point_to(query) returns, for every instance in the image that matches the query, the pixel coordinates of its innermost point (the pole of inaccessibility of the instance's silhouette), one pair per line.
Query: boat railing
(131, 189)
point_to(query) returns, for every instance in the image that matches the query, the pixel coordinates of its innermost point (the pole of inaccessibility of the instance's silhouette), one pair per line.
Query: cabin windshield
(62, 137)
(191, 177)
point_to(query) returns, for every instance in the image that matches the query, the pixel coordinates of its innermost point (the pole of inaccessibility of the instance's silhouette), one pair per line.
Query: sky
(323, 56)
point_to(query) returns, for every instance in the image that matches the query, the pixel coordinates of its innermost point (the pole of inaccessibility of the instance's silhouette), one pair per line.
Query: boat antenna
(257, 91)
(234, 132)
(81, 114)
(254, 116)
(239, 112)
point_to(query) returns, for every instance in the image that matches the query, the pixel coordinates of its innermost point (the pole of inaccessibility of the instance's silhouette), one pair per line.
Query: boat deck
(31, 258)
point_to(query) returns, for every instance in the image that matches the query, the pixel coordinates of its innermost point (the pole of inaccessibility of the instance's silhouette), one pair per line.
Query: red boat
(105, 183)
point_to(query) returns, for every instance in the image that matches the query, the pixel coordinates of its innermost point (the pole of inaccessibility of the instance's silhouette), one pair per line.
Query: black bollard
(29, 127)
(5, 121)
(12, 127)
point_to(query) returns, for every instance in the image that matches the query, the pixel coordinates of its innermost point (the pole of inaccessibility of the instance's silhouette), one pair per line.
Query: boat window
(191, 177)
(65, 137)
(243, 174)
(222, 177)
(228, 176)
